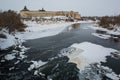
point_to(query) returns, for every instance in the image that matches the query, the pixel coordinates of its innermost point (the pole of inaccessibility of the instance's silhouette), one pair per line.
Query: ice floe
(88, 56)
(86, 53)
(16, 54)
(9, 56)
(97, 72)
(102, 36)
(36, 64)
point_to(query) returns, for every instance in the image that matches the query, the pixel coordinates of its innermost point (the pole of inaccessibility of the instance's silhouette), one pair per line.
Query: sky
(84, 7)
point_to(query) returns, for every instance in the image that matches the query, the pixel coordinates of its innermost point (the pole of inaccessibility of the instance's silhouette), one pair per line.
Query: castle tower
(25, 9)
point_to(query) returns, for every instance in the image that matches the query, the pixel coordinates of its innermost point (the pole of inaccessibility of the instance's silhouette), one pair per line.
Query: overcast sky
(84, 7)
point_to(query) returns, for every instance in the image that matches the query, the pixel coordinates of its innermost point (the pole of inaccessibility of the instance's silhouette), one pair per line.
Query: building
(25, 13)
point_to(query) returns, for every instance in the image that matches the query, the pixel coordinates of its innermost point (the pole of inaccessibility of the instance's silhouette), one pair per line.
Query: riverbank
(105, 33)
(33, 31)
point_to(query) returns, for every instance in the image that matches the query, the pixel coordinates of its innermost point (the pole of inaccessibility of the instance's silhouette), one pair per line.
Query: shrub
(11, 20)
(109, 21)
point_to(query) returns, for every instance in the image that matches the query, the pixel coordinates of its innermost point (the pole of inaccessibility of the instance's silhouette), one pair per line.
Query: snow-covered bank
(86, 53)
(33, 31)
(115, 33)
(8, 41)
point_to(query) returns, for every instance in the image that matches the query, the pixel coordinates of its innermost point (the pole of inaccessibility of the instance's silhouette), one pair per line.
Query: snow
(22, 56)
(17, 62)
(36, 72)
(86, 53)
(55, 17)
(2, 61)
(109, 73)
(11, 68)
(5, 43)
(96, 72)
(112, 76)
(36, 64)
(102, 36)
(87, 21)
(9, 56)
(13, 54)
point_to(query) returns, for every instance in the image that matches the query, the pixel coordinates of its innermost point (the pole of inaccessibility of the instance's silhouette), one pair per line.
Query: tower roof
(25, 9)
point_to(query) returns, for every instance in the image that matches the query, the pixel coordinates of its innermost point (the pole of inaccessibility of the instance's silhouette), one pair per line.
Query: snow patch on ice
(88, 21)
(13, 54)
(10, 56)
(102, 36)
(109, 73)
(112, 76)
(96, 72)
(86, 53)
(11, 68)
(36, 64)
(17, 62)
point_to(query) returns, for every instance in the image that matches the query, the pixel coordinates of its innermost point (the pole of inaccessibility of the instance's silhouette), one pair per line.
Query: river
(47, 50)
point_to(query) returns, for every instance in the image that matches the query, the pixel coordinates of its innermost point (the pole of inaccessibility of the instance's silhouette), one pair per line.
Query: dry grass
(109, 21)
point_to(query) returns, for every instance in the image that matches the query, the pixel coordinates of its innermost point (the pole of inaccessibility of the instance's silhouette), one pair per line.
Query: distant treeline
(109, 21)
(105, 21)
(11, 20)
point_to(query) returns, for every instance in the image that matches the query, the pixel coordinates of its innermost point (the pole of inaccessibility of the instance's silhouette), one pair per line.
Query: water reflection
(73, 27)
(76, 26)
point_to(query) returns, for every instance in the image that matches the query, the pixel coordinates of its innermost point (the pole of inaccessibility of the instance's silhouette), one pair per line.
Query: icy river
(45, 62)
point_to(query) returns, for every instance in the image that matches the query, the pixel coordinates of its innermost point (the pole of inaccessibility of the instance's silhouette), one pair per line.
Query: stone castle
(25, 13)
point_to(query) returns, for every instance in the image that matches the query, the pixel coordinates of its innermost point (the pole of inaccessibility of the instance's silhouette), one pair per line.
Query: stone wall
(70, 14)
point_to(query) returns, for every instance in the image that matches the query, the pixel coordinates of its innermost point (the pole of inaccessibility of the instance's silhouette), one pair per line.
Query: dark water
(47, 49)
